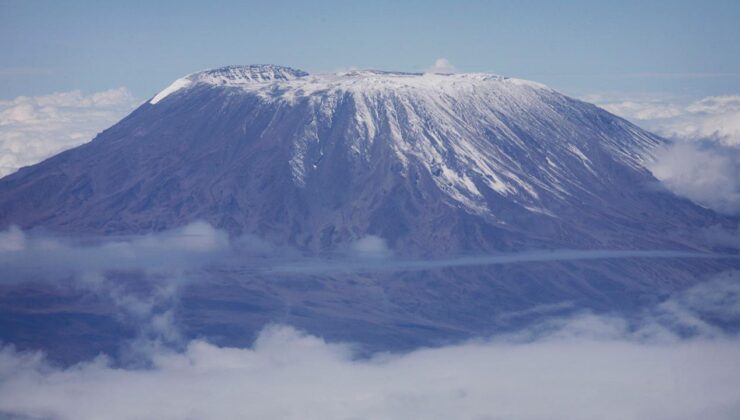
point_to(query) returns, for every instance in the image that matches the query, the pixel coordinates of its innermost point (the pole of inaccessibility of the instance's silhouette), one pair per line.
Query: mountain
(434, 164)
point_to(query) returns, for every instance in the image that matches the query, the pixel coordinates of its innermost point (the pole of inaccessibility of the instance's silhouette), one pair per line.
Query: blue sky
(579, 47)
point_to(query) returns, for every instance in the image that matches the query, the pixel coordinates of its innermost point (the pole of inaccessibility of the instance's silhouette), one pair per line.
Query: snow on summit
(269, 77)
(231, 76)
(515, 137)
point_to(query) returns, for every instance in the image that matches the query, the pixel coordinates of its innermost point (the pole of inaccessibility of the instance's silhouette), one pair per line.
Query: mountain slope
(432, 163)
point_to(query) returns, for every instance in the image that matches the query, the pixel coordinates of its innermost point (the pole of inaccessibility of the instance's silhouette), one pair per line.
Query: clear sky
(579, 47)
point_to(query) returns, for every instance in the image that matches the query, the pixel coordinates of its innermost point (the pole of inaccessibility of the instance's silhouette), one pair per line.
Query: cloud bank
(713, 117)
(702, 162)
(583, 367)
(580, 367)
(33, 128)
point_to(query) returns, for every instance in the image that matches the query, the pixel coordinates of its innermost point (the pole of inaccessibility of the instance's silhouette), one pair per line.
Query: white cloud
(586, 367)
(161, 262)
(706, 173)
(442, 66)
(371, 246)
(713, 117)
(582, 367)
(717, 299)
(12, 240)
(702, 163)
(715, 104)
(40, 257)
(35, 128)
(644, 110)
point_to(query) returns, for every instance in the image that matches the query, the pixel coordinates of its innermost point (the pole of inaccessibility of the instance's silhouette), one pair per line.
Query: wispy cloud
(160, 263)
(157, 266)
(353, 265)
(35, 257)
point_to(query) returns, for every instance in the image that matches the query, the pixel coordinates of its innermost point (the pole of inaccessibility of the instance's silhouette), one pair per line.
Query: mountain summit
(432, 163)
(232, 76)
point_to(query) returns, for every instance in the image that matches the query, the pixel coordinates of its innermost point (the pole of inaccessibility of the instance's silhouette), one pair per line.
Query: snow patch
(174, 87)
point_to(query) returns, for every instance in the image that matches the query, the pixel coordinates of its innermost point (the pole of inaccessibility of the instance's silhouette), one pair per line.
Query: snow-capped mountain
(466, 130)
(433, 163)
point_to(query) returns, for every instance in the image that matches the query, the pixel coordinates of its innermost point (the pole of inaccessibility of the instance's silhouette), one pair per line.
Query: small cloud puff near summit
(442, 66)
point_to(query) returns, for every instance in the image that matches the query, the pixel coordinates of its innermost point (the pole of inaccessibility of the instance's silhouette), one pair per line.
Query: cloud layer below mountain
(582, 368)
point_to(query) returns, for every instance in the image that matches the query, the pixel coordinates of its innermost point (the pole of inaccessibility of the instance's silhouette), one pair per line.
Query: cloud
(714, 117)
(371, 246)
(442, 66)
(38, 257)
(370, 262)
(12, 240)
(702, 161)
(705, 172)
(25, 256)
(582, 367)
(644, 110)
(156, 266)
(35, 128)
(669, 362)
(705, 308)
